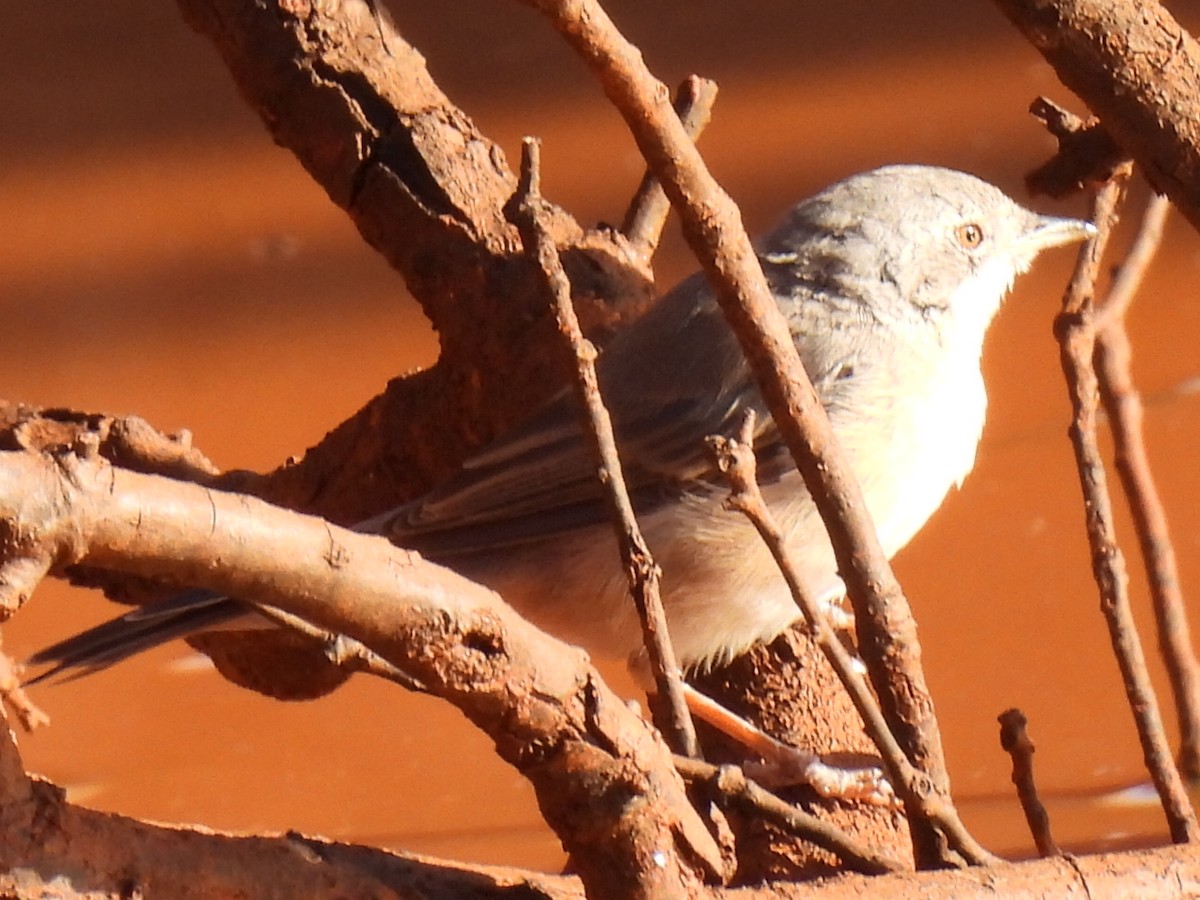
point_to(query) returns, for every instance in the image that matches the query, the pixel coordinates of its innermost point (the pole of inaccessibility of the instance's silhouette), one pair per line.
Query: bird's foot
(782, 765)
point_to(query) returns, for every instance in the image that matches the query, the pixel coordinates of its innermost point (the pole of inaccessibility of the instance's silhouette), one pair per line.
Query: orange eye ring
(969, 235)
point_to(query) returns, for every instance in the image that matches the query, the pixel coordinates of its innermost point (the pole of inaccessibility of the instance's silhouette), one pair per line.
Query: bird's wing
(668, 383)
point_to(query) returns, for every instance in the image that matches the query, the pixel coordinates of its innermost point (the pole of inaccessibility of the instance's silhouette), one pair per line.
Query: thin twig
(713, 228)
(733, 786)
(1087, 153)
(737, 461)
(528, 212)
(1128, 277)
(1076, 333)
(346, 652)
(1123, 404)
(1016, 743)
(12, 695)
(649, 208)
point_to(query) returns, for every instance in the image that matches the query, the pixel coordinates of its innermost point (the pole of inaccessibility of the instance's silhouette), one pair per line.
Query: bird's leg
(782, 764)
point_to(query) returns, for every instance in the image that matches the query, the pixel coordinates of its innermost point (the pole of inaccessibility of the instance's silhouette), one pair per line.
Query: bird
(888, 281)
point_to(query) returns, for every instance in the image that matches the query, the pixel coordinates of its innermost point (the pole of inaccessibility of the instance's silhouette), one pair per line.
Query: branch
(604, 780)
(1075, 330)
(343, 91)
(1138, 70)
(530, 212)
(128, 441)
(648, 211)
(13, 696)
(712, 226)
(1123, 403)
(339, 88)
(1086, 155)
(1014, 739)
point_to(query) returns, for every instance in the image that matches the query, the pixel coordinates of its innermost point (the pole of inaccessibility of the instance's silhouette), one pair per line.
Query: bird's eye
(969, 235)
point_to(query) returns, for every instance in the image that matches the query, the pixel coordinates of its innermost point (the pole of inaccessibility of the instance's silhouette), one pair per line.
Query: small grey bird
(888, 281)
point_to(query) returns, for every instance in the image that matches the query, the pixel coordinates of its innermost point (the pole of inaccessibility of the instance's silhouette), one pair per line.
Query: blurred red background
(159, 256)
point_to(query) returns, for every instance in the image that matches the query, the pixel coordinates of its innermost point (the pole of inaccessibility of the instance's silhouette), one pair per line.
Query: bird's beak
(1051, 231)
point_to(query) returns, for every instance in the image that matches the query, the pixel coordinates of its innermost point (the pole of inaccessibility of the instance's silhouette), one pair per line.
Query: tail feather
(117, 639)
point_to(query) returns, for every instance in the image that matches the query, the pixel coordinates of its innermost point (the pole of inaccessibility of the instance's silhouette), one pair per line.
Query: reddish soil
(161, 257)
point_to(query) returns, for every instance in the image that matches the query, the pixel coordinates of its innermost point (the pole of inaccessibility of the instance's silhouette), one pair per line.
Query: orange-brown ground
(159, 256)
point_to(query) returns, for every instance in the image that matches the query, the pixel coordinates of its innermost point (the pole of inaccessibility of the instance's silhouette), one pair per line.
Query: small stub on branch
(1087, 153)
(1016, 743)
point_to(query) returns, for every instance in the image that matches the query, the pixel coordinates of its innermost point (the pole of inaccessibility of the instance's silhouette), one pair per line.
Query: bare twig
(1128, 277)
(1016, 743)
(737, 461)
(733, 786)
(528, 211)
(346, 652)
(1087, 154)
(712, 226)
(129, 441)
(648, 211)
(14, 697)
(1123, 403)
(1076, 333)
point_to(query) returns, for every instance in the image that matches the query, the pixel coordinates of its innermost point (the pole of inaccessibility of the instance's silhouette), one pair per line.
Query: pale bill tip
(1052, 231)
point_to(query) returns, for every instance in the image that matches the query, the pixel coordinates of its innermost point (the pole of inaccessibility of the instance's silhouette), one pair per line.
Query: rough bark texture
(357, 107)
(603, 776)
(426, 189)
(1166, 873)
(1138, 70)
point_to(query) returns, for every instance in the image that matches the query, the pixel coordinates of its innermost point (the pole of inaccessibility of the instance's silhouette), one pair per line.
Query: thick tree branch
(1138, 70)
(604, 779)
(338, 87)
(426, 189)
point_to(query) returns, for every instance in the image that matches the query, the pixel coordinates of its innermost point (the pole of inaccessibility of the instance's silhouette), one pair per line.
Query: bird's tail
(138, 630)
